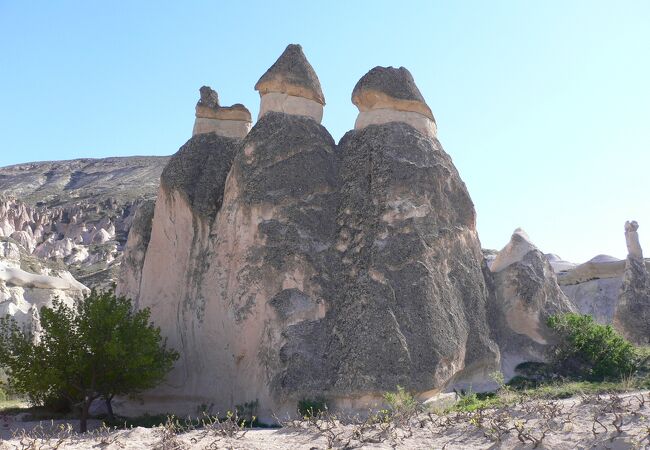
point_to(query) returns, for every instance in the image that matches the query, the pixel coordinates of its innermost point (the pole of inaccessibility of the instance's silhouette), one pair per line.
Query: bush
(402, 403)
(589, 350)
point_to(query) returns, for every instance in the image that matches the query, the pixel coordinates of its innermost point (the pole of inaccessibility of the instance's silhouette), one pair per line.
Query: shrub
(590, 350)
(401, 403)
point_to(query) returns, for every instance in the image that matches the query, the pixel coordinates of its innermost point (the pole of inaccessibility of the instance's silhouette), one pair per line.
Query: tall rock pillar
(632, 316)
(411, 307)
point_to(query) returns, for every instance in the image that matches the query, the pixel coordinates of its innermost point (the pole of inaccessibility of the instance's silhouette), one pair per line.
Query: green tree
(99, 349)
(590, 350)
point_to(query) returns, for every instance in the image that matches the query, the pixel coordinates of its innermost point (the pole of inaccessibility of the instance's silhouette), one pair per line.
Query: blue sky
(544, 106)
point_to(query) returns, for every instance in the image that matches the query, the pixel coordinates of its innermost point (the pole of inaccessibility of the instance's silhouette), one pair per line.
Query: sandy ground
(607, 422)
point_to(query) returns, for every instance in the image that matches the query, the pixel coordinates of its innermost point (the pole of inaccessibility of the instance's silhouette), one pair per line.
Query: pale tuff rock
(596, 297)
(514, 251)
(632, 240)
(135, 251)
(599, 267)
(632, 317)
(77, 212)
(387, 94)
(558, 264)
(526, 293)
(26, 285)
(228, 121)
(291, 86)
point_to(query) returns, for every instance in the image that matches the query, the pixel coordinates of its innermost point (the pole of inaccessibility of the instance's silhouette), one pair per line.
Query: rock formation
(632, 317)
(228, 121)
(26, 285)
(282, 266)
(526, 293)
(135, 251)
(77, 212)
(386, 94)
(594, 287)
(291, 86)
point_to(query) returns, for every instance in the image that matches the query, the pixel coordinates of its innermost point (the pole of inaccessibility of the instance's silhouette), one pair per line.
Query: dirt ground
(605, 421)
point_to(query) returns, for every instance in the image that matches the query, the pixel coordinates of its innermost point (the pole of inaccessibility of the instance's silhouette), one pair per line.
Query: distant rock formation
(283, 266)
(26, 285)
(632, 317)
(77, 212)
(526, 294)
(593, 287)
(605, 287)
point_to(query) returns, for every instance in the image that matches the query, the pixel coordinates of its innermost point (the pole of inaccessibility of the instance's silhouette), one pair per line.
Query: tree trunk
(109, 408)
(83, 420)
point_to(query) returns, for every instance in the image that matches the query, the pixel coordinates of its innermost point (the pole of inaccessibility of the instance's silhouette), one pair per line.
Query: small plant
(402, 403)
(312, 407)
(498, 378)
(248, 410)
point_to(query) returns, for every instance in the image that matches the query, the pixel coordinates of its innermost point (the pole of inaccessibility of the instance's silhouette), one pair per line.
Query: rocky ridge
(77, 212)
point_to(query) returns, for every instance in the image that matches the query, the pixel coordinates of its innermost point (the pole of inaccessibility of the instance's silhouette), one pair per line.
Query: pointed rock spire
(228, 121)
(291, 86)
(292, 74)
(388, 94)
(514, 251)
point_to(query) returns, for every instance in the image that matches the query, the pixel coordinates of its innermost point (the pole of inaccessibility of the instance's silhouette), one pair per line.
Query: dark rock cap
(389, 88)
(292, 74)
(209, 97)
(208, 107)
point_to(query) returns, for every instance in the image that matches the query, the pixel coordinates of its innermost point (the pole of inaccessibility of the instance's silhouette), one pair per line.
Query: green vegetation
(545, 391)
(312, 407)
(100, 349)
(591, 351)
(588, 359)
(402, 404)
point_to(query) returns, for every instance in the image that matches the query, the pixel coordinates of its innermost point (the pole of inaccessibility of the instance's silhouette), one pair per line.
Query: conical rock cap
(292, 74)
(389, 88)
(514, 251)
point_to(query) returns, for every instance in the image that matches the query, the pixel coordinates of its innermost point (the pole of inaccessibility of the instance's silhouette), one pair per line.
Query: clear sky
(544, 106)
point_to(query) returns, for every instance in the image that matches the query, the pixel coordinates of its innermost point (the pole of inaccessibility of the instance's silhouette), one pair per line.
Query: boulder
(291, 86)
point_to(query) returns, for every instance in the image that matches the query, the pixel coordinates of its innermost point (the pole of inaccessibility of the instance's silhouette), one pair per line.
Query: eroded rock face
(135, 251)
(412, 311)
(632, 317)
(77, 213)
(26, 285)
(526, 293)
(284, 267)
